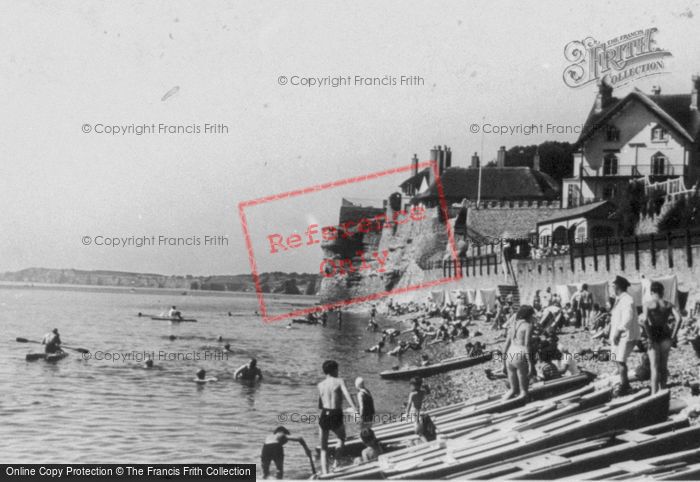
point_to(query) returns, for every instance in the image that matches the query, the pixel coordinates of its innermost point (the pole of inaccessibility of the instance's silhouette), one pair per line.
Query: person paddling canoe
(174, 314)
(249, 371)
(52, 341)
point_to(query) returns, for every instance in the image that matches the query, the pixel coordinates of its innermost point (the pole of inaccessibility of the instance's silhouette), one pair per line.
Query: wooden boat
(673, 466)
(529, 433)
(48, 357)
(437, 368)
(470, 452)
(174, 320)
(591, 454)
(395, 435)
(304, 321)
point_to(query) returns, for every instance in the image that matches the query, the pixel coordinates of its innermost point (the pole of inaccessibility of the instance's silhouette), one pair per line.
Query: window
(658, 164)
(659, 134)
(610, 165)
(612, 134)
(609, 191)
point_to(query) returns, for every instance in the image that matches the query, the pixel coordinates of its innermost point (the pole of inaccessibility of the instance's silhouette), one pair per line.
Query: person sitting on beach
(517, 349)
(400, 349)
(376, 348)
(174, 313)
(249, 371)
(52, 341)
(656, 315)
(273, 451)
(566, 362)
(546, 297)
(372, 449)
(365, 402)
(331, 391)
(391, 333)
(202, 377)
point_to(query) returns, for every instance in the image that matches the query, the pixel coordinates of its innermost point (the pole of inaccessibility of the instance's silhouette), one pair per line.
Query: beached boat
(572, 459)
(48, 357)
(674, 466)
(437, 368)
(544, 428)
(397, 434)
(304, 321)
(469, 452)
(174, 320)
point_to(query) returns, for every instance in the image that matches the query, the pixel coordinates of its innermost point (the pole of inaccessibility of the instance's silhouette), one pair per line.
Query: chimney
(433, 157)
(694, 101)
(536, 160)
(475, 161)
(448, 158)
(604, 97)
(501, 157)
(656, 90)
(441, 159)
(414, 164)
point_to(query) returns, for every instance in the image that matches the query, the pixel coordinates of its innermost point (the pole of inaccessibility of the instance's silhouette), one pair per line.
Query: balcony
(633, 171)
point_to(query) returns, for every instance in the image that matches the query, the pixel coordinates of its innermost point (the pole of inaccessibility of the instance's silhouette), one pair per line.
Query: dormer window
(659, 134)
(610, 165)
(612, 134)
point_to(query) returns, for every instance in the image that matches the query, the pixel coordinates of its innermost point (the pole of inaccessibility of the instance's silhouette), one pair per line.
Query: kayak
(48, 357)
(436, 368)
(167, 318)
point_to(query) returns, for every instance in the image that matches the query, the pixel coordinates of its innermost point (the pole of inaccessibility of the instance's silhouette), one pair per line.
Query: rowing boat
(545, 428)
(572, 459)
(396, 434)
(469, 452)
(174, 320)
(437, 368)
(48, 357)
(674, 466)
(304, 321)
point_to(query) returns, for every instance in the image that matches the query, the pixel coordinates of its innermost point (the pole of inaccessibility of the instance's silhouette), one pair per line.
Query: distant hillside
(274, 282)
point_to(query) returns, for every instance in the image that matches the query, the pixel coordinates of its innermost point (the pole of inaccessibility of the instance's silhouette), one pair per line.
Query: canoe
(304, 321)
(573, 459)
(674, 466)
(518, 438)
(437, 368)
(48, 357)
(469, 452)
(396, 433)
(174, 320)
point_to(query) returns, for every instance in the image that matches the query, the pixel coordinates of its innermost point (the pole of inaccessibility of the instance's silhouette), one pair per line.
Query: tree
(684, 214)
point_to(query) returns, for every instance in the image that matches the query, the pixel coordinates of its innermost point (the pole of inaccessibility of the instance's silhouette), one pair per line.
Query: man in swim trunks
(624, 329)
(330, 401)
(249, 371)
(656, 315)
(273, 451)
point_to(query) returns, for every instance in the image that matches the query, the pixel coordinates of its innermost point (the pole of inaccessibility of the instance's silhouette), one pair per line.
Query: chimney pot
(694, 101)
(604, 96)
(656, 90)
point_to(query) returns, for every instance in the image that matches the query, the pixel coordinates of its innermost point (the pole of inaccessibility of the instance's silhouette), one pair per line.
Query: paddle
(79, 350)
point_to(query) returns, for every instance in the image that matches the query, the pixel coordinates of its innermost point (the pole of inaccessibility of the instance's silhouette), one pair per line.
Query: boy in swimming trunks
(331, 391)
(273, 451)
(656, 314)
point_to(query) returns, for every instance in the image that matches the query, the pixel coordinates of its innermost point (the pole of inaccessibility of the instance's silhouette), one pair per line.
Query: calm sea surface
(103, 411)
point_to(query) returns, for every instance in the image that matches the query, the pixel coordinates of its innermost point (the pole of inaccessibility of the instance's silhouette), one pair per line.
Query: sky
(75, 66)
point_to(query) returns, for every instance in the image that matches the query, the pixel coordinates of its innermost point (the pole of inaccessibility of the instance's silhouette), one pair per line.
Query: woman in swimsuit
(656, 315)
(517, 352)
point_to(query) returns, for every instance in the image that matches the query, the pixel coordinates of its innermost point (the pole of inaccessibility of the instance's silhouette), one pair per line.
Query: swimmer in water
(148, 363)
(249, 371)
(202, 377)
(172, 337)
(221, 338)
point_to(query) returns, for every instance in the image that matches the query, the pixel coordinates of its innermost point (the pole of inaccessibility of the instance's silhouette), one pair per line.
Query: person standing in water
(656, 315)
(331, 391)
(273, 451)
(249, 372)
(365, 402)
(517, 352)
